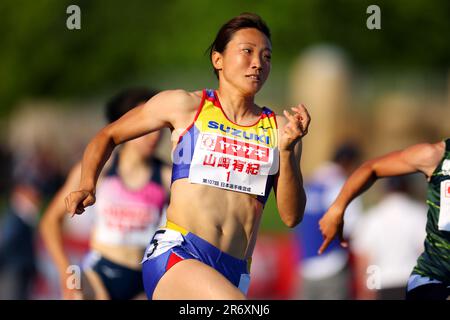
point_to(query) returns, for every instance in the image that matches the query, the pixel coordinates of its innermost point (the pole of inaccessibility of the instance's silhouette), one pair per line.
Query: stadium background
(384, 89)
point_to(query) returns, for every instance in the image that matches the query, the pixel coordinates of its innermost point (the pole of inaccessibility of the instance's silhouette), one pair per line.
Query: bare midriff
(125, 255)
(226, 219)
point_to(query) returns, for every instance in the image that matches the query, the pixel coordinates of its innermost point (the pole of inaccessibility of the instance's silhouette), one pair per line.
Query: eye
(268, 57)
(247, 50)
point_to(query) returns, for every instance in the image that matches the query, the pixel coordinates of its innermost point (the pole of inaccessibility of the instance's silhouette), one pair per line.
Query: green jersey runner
(434, 262)
(430, 278)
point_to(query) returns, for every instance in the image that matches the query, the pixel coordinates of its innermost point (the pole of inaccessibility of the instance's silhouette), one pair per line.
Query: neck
(133, 168)
(237, 106)
(131, 158)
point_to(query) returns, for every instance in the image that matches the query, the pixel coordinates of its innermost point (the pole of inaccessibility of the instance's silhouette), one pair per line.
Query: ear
(217, 60)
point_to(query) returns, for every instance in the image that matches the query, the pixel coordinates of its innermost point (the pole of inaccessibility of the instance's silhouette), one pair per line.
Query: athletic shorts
(424, 288)
(173, 244)
(122, 283)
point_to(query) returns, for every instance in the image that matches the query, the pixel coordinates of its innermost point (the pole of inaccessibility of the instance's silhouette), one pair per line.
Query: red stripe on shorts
(173, 259)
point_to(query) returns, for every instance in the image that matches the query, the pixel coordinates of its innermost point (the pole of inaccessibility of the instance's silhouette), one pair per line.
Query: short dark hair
(399, 184)
(126, 100)
(242, 21)
(347, 153)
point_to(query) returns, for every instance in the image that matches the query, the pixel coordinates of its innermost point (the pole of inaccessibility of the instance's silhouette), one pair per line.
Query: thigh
(202, 283)
(94, 289)
(140, 296)
(92, 285)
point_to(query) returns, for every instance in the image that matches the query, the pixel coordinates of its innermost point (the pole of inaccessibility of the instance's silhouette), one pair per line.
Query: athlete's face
(245, 62)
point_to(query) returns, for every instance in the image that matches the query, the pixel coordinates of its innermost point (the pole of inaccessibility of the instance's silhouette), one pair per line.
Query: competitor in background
(131, 196)
(430, 278)
(327, 276)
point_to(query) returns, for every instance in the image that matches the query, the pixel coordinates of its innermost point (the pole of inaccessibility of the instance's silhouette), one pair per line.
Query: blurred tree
(125, 41)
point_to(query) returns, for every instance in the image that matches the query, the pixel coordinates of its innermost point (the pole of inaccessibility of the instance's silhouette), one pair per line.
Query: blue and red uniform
(216, 152)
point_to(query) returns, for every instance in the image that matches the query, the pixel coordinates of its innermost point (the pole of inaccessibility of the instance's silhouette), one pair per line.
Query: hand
(77, 201)
(296, 128)
(332, 223)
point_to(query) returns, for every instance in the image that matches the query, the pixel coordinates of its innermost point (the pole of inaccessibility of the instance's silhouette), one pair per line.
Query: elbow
(293, 214)
(292, 221)
(104, 137)
(107, 134)
(371, 168)
(297, 216)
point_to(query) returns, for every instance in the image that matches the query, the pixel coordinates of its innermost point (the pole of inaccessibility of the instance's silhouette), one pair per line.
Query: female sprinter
(228, 152)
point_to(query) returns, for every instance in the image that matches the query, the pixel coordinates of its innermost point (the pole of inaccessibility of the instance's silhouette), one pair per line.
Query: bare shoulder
(428, 152)
(179, 98)
(426, 156)
(435, 152)
(281, 122)
(439, 148)
(176, 107)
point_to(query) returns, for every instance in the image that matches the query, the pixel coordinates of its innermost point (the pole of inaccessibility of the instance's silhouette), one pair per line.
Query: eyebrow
(252, 44)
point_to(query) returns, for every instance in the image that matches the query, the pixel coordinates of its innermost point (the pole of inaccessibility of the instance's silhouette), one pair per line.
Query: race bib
(232, 164)
(446, 167)
(163, 240)
(444, 213)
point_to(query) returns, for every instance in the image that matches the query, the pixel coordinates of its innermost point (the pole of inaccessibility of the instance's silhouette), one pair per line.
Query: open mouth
(254, 77)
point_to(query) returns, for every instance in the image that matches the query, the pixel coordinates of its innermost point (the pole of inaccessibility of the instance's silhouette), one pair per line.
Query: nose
(256, 62)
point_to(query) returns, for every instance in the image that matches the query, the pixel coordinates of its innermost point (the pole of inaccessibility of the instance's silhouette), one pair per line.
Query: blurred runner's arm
(50, 228)
(422, 157)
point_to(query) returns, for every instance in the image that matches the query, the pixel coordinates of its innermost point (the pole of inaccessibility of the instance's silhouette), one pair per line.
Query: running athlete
(130, 200)
(430, 278)
(227, 155)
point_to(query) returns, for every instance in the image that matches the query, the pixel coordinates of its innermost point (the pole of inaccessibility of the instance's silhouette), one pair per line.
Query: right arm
(418, 158)
(166, 109)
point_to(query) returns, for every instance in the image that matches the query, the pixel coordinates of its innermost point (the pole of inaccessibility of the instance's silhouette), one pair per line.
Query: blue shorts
(173, 244)
(122, 283)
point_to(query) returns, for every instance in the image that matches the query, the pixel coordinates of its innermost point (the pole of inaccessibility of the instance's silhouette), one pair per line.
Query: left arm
(288, 187)
(423, 157)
